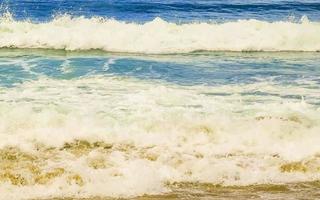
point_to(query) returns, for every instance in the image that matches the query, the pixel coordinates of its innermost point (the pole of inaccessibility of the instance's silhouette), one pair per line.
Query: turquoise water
(209, 69)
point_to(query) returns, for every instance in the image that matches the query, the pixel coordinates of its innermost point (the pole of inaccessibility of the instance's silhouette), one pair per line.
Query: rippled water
(172, 10)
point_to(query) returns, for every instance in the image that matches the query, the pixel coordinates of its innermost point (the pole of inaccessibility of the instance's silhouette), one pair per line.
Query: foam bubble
(159, 36)
(120, 137)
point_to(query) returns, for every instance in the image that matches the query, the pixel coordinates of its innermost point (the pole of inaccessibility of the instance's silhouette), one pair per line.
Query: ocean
(148, 100)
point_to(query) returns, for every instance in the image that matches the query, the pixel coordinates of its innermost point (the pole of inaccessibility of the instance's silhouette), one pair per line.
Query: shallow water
(211, 125)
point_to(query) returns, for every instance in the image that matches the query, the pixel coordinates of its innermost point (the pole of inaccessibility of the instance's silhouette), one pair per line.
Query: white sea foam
(159, 36)
(153, 135)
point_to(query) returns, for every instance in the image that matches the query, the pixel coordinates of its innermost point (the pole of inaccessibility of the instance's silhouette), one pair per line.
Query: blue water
(210, 69)
(213, 69)
(171, 10)
(191, 69)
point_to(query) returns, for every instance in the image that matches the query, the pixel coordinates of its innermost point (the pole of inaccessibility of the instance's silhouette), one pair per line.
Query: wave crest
(158, 36)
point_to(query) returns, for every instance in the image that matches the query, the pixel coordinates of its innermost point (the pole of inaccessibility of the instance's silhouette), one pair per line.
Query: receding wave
(158, 36)
(118, 137)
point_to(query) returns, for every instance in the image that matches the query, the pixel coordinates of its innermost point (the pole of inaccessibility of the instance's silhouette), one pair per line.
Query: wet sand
(307, 190)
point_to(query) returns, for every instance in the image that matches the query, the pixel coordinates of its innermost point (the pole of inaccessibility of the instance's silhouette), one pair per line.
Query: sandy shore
(307, 190)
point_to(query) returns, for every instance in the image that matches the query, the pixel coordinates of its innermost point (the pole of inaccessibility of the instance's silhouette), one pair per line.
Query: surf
(66, 32)
(123, 137)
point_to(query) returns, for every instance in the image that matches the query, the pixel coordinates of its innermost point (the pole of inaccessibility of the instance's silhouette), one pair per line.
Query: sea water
(159, 100)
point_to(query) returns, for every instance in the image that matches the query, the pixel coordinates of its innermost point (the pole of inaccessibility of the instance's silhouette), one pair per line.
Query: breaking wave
(121, 137)
(158, 36)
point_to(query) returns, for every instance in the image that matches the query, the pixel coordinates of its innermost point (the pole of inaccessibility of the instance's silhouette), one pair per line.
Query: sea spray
(159, 36)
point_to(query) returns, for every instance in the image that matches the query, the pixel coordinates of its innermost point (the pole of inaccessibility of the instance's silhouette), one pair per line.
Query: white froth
(159, 36)
(160, 133)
